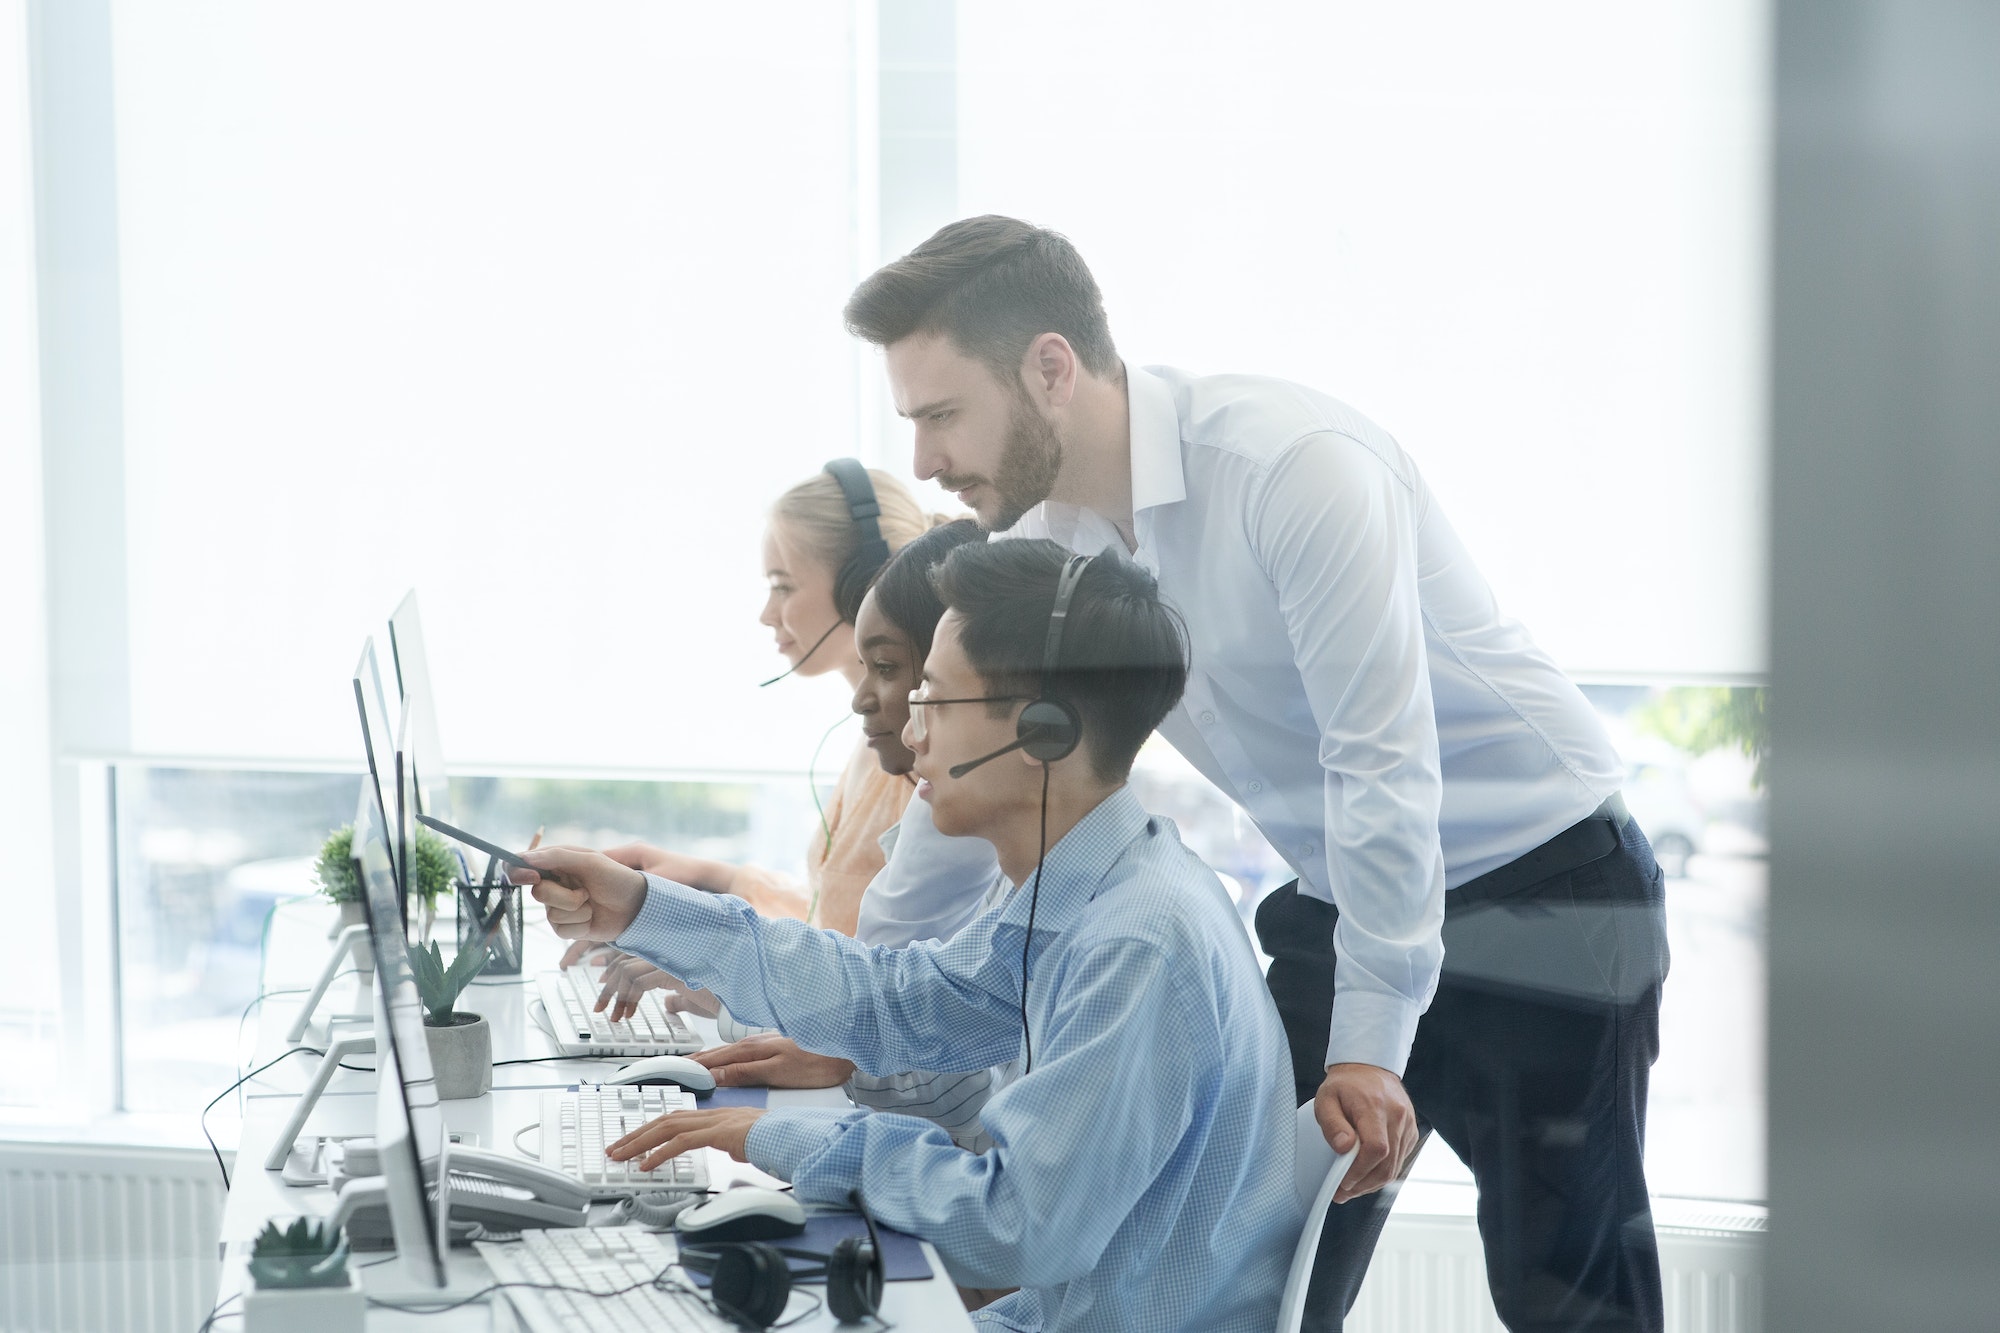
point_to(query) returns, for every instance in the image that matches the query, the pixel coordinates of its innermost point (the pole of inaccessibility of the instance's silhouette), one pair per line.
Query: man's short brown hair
(992, 285)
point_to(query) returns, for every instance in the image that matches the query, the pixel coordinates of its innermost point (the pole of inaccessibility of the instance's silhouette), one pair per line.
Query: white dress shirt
(1354, 685)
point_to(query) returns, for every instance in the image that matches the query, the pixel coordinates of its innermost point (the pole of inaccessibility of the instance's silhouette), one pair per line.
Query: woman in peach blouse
(820, 553)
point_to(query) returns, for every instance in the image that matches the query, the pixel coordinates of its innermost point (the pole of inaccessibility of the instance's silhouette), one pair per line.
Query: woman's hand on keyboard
(676, 1132)
(768, 1060)
(628, 976)
(582, 950)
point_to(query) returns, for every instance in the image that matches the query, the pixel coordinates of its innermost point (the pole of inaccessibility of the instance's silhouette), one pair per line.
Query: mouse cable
(658, 1282)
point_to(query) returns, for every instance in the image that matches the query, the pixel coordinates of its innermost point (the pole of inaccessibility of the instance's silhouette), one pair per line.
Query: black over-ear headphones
(751, 1282)
(871, 552)
(1049, 728)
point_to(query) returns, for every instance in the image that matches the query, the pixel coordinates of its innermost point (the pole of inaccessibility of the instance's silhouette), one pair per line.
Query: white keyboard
(569, 996)
(576, 1126)
(593, 1262)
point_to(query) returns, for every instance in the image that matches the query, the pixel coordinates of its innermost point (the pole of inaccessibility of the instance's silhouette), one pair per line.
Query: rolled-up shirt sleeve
(1335, 529)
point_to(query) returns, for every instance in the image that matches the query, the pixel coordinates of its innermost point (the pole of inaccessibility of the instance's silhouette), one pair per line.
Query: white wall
(1525, 239)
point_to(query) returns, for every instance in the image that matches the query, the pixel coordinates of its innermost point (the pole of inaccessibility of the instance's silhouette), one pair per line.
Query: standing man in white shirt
(1446, 796)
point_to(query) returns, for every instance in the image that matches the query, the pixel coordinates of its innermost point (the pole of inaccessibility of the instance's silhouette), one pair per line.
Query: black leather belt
(1591, 838)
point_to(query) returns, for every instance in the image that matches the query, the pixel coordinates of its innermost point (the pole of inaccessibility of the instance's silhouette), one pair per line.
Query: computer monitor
(413, 680)
(404, 808)
(410, 1131)
(378, 741)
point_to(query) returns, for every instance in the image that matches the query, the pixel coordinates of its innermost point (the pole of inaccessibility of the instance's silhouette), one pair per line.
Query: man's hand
(674, 1133)
(589, 895)
(768, 1060)
(1367, 1105)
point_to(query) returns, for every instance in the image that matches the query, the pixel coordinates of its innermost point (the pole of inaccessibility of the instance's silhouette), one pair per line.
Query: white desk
(348, 1108)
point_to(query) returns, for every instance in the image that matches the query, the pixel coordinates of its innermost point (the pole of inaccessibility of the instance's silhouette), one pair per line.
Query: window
(208, 855)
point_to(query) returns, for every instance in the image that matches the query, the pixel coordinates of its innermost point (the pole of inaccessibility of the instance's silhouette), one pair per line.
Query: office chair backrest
(1316, 1174)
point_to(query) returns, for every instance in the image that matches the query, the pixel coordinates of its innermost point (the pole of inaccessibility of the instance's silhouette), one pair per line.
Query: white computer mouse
(743, 1213)
(678, 1070)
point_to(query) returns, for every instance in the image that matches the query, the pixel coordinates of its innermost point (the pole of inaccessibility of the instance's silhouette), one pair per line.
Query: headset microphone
(871, 552)
(803, 660)
(960, 770)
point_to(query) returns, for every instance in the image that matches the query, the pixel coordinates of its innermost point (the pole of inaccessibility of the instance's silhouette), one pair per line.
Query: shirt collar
(1158, 477)
(1074, 870)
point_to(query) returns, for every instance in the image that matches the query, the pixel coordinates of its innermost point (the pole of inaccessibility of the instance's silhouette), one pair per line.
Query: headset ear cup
(1048, 729)
(853, 1281)
(751, 1284)
(850, 585)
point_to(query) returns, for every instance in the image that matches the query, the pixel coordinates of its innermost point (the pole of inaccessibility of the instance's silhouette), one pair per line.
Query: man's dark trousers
(1532, 1062)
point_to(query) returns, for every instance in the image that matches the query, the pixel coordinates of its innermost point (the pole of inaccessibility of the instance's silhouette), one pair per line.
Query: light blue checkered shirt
(1140, 1174)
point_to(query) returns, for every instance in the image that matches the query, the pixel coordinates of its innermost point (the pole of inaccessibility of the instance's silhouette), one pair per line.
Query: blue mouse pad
(757, 1097)
(902, 1256)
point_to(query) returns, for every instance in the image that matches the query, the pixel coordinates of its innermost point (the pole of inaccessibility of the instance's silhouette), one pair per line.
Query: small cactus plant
(438, 986)
(305, 1254)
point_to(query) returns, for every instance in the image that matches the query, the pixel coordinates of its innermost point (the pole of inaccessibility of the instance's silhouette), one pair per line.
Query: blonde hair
(817, 525)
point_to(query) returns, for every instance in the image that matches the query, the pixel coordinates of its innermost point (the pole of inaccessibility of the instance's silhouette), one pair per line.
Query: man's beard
(1029, 463)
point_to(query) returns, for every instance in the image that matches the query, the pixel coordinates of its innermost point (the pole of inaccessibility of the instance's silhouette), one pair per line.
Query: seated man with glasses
(1141, 1168)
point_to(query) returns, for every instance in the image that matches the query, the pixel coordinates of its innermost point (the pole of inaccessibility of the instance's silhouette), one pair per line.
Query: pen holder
(495, 910)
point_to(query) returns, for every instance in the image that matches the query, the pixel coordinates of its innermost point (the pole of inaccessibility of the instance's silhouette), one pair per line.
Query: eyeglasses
(920, 699)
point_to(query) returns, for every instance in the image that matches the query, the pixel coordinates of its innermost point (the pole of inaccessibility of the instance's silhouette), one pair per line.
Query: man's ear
(1049, 370)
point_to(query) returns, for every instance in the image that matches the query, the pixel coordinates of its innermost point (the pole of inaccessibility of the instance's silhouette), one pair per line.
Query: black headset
(750, 1282)
(1049, 728)
(871, 552)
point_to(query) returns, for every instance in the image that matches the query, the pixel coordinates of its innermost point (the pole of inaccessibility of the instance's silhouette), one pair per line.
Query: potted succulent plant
(300, 1282)
(461, 1043)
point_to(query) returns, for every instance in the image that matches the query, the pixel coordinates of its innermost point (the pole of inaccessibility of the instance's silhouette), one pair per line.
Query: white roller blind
(534, 308)
(28, 947)
(1525, 239)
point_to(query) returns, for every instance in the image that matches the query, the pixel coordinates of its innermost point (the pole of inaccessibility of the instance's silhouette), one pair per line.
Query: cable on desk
(696, 1292)
(538, 1014)
(264, 995)
(233, 1087)
(517, 1140)
(217, 1313)
(658, 1282)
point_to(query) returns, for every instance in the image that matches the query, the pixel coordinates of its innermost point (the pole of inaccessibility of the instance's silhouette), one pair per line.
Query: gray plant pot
(352, 915)
(461, 1055)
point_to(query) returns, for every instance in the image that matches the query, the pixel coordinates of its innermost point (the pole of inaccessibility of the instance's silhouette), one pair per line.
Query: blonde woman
(826, 540)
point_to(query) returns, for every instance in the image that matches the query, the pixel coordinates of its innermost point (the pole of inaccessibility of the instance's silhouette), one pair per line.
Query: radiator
(106, 1239)
(1429, 1272)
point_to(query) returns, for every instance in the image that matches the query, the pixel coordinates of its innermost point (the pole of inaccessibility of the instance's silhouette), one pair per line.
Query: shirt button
(1256, 786)
(1307, 849)
(1207, 716)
